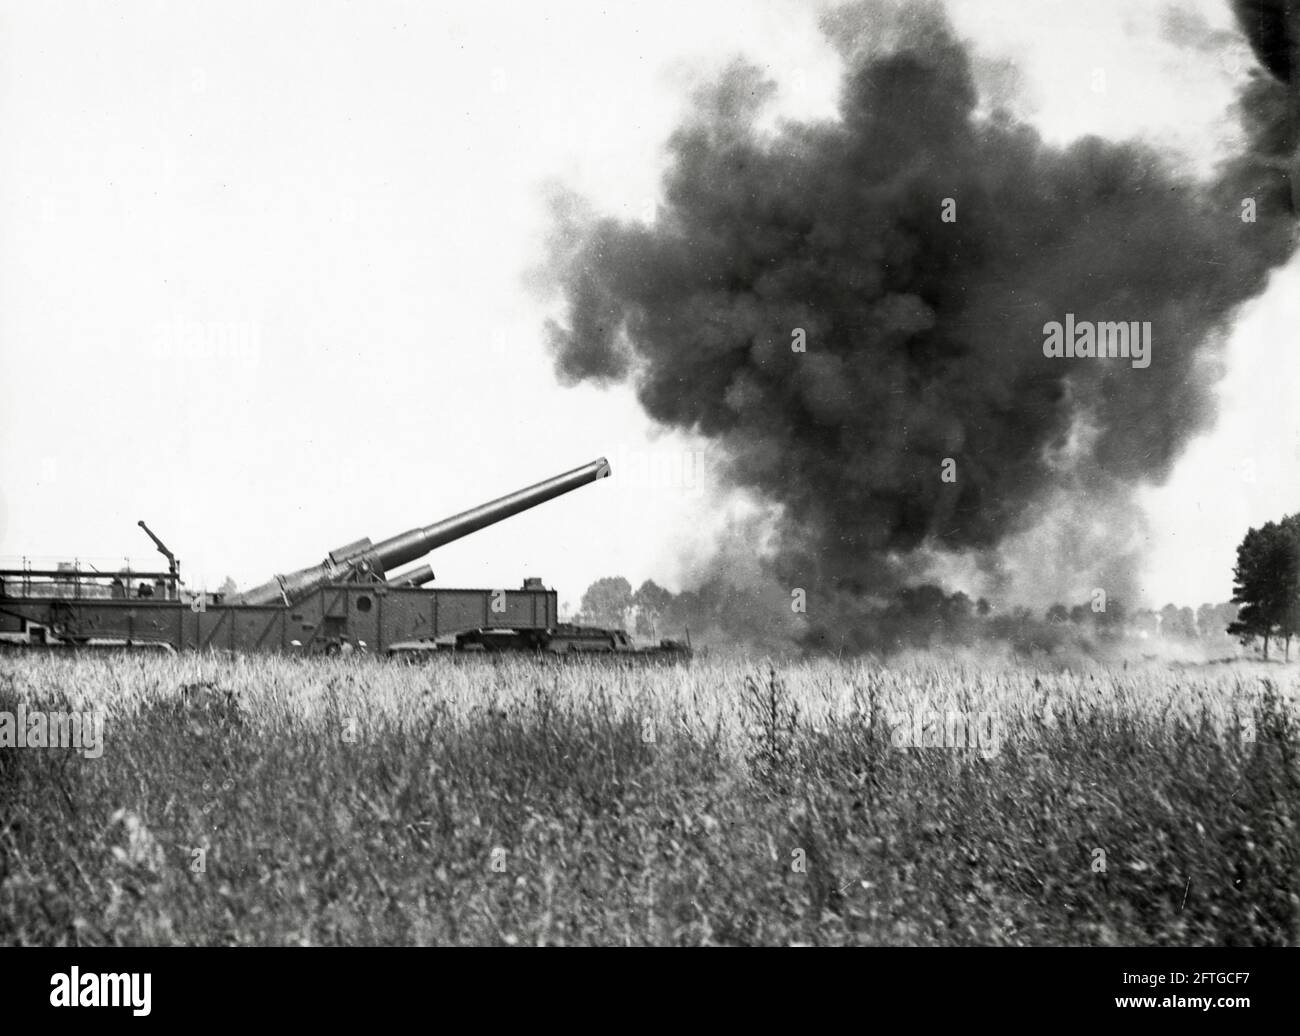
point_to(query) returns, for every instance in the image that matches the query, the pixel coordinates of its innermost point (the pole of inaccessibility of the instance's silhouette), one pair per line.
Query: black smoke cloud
(924, 338)
(1273, 29)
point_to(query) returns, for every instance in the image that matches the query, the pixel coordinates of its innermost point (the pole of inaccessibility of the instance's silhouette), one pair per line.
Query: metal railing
(85, 578)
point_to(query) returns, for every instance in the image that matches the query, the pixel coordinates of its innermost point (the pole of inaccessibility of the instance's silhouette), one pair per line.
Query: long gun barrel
(415, 577)
(364, 558)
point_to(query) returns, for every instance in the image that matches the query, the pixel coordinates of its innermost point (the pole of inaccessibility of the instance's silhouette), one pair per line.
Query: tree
(1207, 618)
(227, 587)
(607, 601)
(1227, 616)
(1213, 620)
(1147, 623)
(650, 601)
(1177, 622)
(1114, 618)
(1267, 583)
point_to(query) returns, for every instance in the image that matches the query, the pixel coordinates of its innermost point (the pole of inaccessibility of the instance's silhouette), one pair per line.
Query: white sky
(261, 272)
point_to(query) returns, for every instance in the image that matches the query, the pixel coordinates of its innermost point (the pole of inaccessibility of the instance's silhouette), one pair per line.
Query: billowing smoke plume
(1273, 29)
(922, 337)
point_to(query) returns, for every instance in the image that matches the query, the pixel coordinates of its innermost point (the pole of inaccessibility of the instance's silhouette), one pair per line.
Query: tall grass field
(915, 801)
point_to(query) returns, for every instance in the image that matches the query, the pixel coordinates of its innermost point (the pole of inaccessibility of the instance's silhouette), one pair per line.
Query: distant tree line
(1265, 607)
(1209, 622)
(917, 617)
(610, 602)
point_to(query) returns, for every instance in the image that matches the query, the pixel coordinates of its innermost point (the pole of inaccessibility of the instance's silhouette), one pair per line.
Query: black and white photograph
(695, 473)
